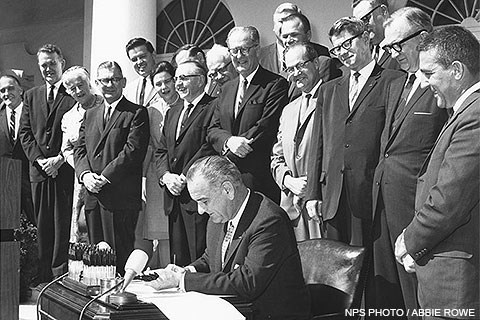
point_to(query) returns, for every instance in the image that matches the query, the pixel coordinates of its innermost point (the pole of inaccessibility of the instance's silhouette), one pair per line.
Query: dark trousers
(187, 235)
(117, 228)
(393, 286)
(52, 202)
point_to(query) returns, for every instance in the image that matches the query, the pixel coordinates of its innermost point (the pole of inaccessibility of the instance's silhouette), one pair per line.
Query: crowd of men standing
(374, 143)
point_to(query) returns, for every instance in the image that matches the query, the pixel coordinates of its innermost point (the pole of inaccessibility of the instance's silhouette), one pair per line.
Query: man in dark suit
(349, 120)
(374, 13)
(247, 113)
(184, 140)
(412, 125)
(108, 159)
(296, 28)
(251, 248)
(271, 56)
(441, 243)
(10, 146)
(51, 178)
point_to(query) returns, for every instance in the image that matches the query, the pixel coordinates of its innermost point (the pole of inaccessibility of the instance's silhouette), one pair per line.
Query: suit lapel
(419, 92)
(470, 100)
(251, 210)
(196, 111)
(369, 85)
(116, 113)
(4, 123)
(342, 92)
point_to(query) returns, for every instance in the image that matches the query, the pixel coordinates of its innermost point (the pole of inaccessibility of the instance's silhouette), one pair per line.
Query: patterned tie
(186, 115)
(11, 125)
(353, 89)
(241, 93)
(226, 241)
(141, 97)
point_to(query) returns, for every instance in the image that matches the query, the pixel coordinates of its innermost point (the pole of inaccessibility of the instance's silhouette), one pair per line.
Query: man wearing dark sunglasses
(412, 125)
(374, 13)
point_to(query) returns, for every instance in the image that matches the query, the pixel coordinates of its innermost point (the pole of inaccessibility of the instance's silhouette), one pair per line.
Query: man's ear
(458, 69)
(229, 190)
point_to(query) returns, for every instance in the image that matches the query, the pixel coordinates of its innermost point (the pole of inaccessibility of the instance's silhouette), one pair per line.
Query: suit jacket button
(347, 145)
(174, 159)
(48, 147)
(386, 155)
(377, 183)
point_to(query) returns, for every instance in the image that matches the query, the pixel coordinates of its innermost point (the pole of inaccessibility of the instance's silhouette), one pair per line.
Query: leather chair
(334, 274)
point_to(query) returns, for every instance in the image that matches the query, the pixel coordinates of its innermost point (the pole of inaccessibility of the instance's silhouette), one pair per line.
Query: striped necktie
(226, 241)
(11, 125)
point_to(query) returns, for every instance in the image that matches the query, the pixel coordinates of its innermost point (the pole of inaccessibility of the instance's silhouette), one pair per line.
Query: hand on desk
(166, 279)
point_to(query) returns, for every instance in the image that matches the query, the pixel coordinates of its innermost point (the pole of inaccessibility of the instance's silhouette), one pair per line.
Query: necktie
(376, 53)
(226, 241)
(11, 125)
(107, 116)
(50, 98)
(405, 93)
(241, 93)
(403, 101)
(353, 89)
(304, 107)
(185, 116)
(141, 97)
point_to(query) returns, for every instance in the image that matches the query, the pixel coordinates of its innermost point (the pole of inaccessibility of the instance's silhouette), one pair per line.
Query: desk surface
(62, 303)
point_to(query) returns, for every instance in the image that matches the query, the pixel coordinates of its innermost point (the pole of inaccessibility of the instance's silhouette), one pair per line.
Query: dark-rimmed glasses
(185, 77)
(397, 46)
(213, 74)
(106, 81)
(347, 44)
(366, 17)
(245, 51)
(299, 66)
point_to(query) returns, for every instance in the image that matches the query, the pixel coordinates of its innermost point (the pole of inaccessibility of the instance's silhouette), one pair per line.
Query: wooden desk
(59, 302)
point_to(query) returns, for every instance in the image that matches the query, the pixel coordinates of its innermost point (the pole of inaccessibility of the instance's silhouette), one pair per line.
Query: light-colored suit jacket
(289, 154)
(133, 89)
(443, 237)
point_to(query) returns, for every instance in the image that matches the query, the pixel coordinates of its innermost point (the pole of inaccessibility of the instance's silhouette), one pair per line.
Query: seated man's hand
(166, 279)
(239, 146)
(175, 268)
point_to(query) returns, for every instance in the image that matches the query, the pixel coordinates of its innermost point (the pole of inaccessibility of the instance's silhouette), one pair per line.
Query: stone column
(109, 24)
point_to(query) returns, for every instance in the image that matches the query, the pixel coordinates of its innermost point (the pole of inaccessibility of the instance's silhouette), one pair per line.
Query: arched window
(447, 12)
(200, 22)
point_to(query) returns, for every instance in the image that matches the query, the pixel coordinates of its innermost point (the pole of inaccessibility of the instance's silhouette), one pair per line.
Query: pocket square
(236, 266)
(423, 113)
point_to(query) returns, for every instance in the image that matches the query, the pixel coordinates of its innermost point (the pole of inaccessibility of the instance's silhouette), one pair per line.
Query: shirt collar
(314, 89)
(366, 71)
(465, 95)
(18, 109)
(249, 77)
(56, 85)
(114, 103)
(194, 102)
(237, 217)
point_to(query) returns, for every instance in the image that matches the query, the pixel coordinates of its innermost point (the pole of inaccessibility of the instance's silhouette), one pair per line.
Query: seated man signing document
(251, 248)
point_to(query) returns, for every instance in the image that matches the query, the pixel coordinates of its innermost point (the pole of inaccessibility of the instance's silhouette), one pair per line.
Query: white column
(110, 24)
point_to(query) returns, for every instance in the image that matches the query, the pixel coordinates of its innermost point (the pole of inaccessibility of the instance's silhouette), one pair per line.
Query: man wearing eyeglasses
(413, 123)
(220, 69)
(349, 119)
(112, 144)
(374, 13)
(296, 28)
(290, 152)
(51, 178)
(142, 55)
(184, 140)
(247, 112)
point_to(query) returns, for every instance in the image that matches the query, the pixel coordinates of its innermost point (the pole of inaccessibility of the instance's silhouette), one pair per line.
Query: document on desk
(178, 305)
